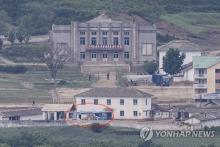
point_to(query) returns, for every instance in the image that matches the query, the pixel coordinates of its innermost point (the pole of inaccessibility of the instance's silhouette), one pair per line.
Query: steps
(101, 67)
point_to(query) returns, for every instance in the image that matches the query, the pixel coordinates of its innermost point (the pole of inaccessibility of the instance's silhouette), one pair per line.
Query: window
(105, 55)
(83, 101)
(82, 41)
(217, 81)
(109, 101)
(126, 41)
(104, 33)
(217, 70)
(96, 102)
(115, 40)
(126, 33)
(122, 113)
(135, 101)
(147, 49)
(82, 33)
(93, 55)
(93, 33)
(115, 33)
(82, 55)
(135, 113)
(115, 55)
(126, 55)
(93, 40)
(104, 41)
(122, 101)
(146, 101)
(146, 113)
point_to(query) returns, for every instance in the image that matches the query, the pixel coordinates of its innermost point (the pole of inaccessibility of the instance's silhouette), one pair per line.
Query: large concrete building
(121, 40)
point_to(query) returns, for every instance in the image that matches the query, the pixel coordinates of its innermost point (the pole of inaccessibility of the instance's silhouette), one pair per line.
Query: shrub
(62, 82)
(150, 67)
(97, 128)
(13, 69)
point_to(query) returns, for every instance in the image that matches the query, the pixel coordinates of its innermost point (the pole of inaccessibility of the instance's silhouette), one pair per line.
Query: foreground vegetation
(80, 137)
(25, 14)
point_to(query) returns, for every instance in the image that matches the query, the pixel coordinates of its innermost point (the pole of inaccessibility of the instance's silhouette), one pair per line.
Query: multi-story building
(206, 75)
(113, 103)
(104, 39)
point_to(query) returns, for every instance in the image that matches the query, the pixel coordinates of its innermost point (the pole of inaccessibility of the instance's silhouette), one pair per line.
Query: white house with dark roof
(113, 103)
(185, 47)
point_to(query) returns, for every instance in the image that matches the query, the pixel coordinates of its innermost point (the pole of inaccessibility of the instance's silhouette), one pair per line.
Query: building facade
(206, 75)
(105, 39)
(185, 47)
(113, 103)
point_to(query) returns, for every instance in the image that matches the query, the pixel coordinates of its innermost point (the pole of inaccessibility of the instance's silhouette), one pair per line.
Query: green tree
(20, 36)
(11, 37)
(26, 37)
(1, 44)
(150, 67)
(172, 61)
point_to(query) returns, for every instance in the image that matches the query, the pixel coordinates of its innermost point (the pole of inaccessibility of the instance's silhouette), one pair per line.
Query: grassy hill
(36, 16)
(195, 22)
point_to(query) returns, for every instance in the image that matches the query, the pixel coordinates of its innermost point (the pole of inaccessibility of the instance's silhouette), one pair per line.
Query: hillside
(183, 18)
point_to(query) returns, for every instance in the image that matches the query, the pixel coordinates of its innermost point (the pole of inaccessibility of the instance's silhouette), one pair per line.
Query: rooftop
(57, 107)
(182, 45)
(113, 92)
(205, 61)
(22, 112)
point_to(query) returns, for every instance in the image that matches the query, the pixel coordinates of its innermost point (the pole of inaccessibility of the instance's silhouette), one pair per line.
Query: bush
(97, 128)
(13, 69)
(150, 67)
(62, 82)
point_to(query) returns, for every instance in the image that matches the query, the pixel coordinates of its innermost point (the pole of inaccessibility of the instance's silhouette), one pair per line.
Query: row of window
(104, 41)
(217, 81)
(135, 113)
(104, 33)
(104, 55)
(109, 102)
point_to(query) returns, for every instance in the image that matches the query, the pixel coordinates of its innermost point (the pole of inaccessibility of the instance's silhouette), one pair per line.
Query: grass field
(79, 137)
(194, 22)
(13, 87)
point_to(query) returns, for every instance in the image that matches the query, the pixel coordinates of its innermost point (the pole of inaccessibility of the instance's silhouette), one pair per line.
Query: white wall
(33, 117)
(188, 76)
(128, 107)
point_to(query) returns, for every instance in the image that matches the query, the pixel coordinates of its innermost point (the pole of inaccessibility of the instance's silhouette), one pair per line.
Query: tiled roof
(181, 45)
(113, 92)
(205, 61)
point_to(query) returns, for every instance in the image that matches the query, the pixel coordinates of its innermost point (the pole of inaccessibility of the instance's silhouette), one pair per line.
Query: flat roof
(113, 92)
(22, 112)
(57, 107)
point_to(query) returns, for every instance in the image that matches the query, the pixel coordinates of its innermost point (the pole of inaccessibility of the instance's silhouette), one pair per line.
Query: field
(194, 22)
(80, 137)
(35, 85)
